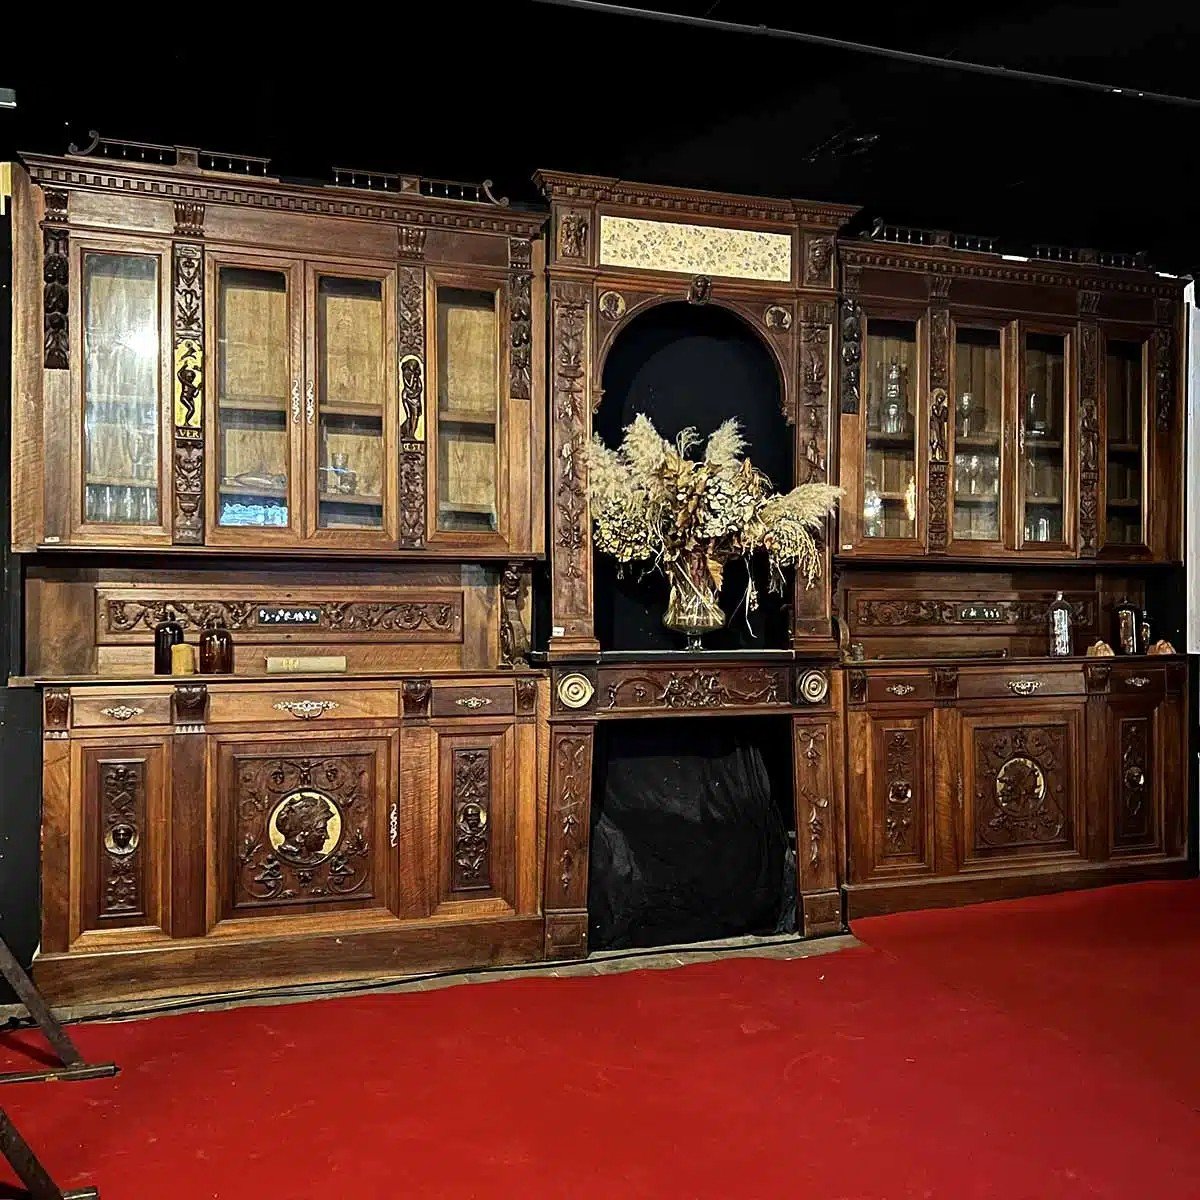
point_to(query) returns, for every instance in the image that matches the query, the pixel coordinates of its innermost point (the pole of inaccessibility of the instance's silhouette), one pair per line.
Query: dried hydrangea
(652, 502)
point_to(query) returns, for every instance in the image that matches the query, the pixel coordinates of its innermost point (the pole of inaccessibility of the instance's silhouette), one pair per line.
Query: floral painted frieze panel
(695, 249)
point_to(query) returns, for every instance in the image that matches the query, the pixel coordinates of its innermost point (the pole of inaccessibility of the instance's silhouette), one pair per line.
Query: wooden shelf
(1124, 448)
(1032, 442)
(1120, 502)
(466, 417)
(350, 498)
(976, 498)
(254, 404)
(239, 489)
(985, 441)
(483, 510)
(373, 412)
(92, 481)
(877, 437)
(1043, 502)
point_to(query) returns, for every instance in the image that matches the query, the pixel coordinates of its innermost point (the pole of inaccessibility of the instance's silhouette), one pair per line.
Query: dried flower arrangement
(687, 516)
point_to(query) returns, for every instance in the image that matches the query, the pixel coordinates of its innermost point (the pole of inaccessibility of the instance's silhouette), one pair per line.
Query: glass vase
(692, 608)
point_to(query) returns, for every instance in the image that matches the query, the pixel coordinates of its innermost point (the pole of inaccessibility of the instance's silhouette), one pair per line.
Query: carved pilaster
(514, 640)
(573, 235)
(851, 336)
(122, 822)
(939, 414)
(1164, 378)
(520, 319)
(189, 219)
(189, 707)
(410, 241)
(1089, 440)
(1096, 676)
(188, 400)
(568, 827)
(858, 687)
(571, 600)
(945, 683)
(411, 348)
(818, 261)
(56, 281)
(527, 688)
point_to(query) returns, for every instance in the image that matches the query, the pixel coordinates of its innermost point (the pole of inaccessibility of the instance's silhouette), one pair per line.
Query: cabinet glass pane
(468, 410)
(1123, 493)
(121, 381)
(1043, 425)
(978, 416)
(253, 389)
(890, 461)
(352, 380)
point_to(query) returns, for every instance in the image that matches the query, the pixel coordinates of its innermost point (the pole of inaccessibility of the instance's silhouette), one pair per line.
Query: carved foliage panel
(567, 832)
(939, 412)
(694, 689)
(188, 392)
(475, 817)
(1089, 439)
(1020, 784)
(56, 280)
(122, 817)
(1134, 796)
(818, 824)
(302, 825)
(901, 803)
(571, 429)
(410, 300)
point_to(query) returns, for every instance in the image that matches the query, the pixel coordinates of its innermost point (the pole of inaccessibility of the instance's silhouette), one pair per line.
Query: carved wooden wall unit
(348, 420)
(1009, 429)
(315, 414)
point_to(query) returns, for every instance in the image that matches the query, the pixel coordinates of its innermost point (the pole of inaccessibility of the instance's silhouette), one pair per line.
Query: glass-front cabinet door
(1043, 442)
(121, 441)
(350, 406)
(256, 403)
(1125, 365)
(978, 485)
(891, 433)
(468, 361)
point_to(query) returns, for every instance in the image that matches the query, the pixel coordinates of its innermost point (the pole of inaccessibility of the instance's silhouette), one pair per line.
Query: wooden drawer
(302, 705)
(898, 686)
(1021, 684)
(1137, 680)
(111, 712)
(477, 700)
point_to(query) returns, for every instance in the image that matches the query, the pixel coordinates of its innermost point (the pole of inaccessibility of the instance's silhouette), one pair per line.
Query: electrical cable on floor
(908, 56)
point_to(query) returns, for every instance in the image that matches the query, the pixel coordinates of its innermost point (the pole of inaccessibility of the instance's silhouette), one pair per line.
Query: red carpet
(855, 1074)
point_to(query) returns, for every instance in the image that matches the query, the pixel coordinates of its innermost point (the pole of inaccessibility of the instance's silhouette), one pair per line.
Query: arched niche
(684, 364)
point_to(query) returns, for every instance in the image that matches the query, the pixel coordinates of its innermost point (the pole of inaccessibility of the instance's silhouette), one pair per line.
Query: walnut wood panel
(892, 806)
(122, 710)
(818, 755)
(472, 700)
(567, 836)
(476, 842)
(1022, 783)
(301, 705)
(1136, 765)
(121, 808)
(1020, 682)
(301, 825)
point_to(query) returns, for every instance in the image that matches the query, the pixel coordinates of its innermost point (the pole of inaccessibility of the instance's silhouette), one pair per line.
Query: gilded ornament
(575, 690)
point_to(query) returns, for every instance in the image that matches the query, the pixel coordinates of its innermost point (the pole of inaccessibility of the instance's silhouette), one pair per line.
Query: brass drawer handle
(472, 702)
(1138, 681)
(306, 710)
(1024, 687)
(901, 689)
(122, 712)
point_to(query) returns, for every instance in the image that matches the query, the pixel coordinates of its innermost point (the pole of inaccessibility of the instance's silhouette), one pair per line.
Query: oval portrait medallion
(305, 827)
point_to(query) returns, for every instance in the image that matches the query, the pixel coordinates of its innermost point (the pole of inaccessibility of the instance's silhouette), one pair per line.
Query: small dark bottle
(1127, 627)
(216, 649)
(167, 633)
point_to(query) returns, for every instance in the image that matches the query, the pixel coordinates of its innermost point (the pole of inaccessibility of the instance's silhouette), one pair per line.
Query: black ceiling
(524, 85)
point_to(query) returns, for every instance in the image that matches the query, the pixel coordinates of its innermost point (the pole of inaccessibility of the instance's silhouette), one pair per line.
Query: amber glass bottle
(167, 633)
(216, 649)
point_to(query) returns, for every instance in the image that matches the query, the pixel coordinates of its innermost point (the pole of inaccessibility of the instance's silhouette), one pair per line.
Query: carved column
(514, 596)
(817, 755)
(938, 533)
(1089, 439)
(520, 318)
(411, 349)
(187, 371)
(567, 836)
(572, 627)
(812, 611)
(56, 282)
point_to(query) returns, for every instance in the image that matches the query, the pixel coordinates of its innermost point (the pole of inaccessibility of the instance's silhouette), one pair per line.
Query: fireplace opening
(681, 365)
(693, 831)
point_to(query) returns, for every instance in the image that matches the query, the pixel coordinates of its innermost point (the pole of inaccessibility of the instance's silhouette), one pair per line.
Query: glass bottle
(1127, 627)
(167, 633)
(1145, 640)
(216, 648)
(1060, 627)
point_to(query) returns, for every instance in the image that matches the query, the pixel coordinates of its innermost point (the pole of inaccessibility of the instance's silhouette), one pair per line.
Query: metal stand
(35, 1177)
(30, 1171)
(73, 1066)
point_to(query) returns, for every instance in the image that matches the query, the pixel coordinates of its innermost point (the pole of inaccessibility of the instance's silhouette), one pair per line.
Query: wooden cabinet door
(1125, 459)
(891, 797)
(476, 819)
(254, 402)
(117, 482)
(1135, 783)
(120, 862)
(351, 472)
(302, 825)
(1021, 783)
